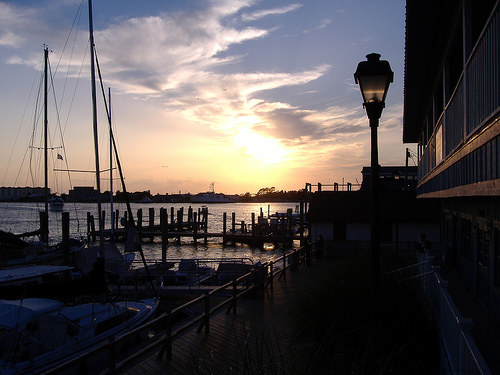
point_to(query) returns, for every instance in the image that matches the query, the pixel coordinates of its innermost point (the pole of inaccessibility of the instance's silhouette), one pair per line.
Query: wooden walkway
(256, 337)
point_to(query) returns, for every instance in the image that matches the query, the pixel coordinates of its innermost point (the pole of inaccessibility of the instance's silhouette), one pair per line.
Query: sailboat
(37, 334)
(17, 253)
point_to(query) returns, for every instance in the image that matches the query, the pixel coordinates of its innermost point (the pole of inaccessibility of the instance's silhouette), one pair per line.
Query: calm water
(23, 217)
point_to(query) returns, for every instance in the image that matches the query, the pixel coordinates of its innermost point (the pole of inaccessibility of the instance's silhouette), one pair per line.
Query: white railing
(459, 353)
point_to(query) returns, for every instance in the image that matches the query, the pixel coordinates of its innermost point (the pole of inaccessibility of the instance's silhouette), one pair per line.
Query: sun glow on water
(267, 150)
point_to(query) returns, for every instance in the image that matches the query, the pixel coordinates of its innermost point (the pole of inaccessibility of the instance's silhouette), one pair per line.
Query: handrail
(462, 354)
(411, 266)
(247, 282)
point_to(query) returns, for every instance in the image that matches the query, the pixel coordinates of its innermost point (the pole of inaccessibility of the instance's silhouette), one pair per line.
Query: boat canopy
(15, 314)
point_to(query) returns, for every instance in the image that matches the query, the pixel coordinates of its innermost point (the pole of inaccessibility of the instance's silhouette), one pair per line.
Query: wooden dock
(280, 228)
(257, 336)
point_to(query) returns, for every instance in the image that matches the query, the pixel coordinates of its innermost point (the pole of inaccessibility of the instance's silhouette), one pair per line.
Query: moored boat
(189, 272)
(37, 334)
(211, 197)
(56, 204)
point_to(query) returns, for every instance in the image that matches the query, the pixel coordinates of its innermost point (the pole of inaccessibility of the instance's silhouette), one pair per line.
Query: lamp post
(397, 179)
(374, 77)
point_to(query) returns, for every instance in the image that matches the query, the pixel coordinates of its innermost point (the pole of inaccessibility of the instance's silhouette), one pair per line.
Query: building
(452, 110)
(83, 194)
(21, 193)
(394, 178)
(343, 217)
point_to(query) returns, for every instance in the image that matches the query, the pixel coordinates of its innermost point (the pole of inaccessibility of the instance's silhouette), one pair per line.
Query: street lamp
(374, 77)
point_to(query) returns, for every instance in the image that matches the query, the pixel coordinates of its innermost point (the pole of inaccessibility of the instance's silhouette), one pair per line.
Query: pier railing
(459, 353)
(170, 325)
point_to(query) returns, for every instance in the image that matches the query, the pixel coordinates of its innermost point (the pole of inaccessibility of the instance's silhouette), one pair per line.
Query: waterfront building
(452, 111)
(342, 217)
(392, 177)
(83, 194)
(17, 193)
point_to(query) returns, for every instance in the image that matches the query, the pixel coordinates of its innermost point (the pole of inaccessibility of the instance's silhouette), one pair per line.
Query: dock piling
(151, 221)
(164, 233)
(224, 228)
(195, 228)
(65, 238)
(277, 229)
(139, 222)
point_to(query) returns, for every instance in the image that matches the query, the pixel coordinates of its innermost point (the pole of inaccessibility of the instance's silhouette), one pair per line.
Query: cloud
(163, 52)
(267, 12)
(10, 39)
(227, 8)
(14, 21)
(16, 60)
(176, 57)
(176, 60)
(230, 103)
(324, 23)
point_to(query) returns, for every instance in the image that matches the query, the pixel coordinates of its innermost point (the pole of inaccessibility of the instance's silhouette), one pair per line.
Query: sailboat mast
(44, 216)
(111, 169)
(45, 129)
(118, 164)
(96, 140)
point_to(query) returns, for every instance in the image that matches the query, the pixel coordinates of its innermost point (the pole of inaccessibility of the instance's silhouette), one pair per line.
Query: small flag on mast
(59, 157)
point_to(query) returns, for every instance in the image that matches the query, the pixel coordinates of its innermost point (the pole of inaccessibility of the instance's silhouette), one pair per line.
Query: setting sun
(268, 150)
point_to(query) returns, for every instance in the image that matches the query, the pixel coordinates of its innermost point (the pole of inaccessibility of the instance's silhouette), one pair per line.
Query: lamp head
(374, 77)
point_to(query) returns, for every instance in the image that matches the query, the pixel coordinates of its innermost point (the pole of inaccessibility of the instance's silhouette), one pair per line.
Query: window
(494, 161)
(465, 238)
(385, 231)
(454, 64)
(496, 252)
(482, 249)
(480, 11)
(340, 231)
(438, 100)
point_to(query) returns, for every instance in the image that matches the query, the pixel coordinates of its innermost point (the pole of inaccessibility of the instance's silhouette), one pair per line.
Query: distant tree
(266, 190)
(119, 196)
(247, 197)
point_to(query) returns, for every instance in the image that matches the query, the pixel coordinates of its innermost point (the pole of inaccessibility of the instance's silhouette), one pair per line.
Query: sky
(244, 94)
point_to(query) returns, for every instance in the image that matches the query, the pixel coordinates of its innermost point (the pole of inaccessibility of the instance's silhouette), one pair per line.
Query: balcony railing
(483, 74)
(475, 100)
